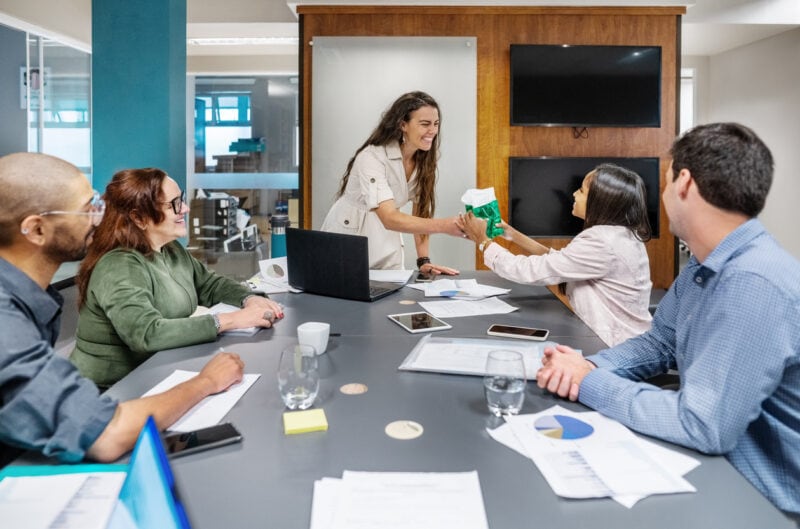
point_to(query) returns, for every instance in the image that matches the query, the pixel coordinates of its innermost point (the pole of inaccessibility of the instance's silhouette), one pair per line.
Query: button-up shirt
(45, 405)
(377, 176)
(731, 327)
(607, 274)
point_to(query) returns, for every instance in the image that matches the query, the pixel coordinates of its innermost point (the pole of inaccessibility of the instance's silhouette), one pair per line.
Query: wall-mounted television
(585, 86)
(540, 192)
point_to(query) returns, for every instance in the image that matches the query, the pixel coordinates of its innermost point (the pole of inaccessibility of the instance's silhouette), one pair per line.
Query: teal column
(138, 87)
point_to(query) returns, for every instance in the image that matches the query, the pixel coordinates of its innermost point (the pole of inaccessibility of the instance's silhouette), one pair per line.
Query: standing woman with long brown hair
(396, 164)
(138, 286)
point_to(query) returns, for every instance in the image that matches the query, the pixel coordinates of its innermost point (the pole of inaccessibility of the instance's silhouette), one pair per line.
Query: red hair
(132, 198)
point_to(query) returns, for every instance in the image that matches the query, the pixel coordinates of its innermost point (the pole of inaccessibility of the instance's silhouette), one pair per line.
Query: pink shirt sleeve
(586, 257)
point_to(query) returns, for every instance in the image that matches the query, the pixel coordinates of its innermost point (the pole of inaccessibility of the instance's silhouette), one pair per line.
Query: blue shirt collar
(45, 305)
(732, 243)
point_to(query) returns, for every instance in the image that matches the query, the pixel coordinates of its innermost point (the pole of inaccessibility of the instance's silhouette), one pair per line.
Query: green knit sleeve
(147, 307)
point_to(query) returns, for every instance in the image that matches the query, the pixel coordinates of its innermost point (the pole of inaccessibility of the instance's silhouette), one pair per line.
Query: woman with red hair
(138, 286)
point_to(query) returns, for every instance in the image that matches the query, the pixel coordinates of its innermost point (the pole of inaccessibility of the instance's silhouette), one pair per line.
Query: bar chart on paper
(563, 427)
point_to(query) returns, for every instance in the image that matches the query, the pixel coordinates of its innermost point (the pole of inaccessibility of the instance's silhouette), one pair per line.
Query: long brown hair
(617, 197)
(388, 131)
(132, 198)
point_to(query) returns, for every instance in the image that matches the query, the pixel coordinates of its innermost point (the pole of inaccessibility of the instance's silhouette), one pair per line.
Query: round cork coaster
(354, 388)
(404, 430)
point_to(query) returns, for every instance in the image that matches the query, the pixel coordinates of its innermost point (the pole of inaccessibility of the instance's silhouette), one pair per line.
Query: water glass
(298, 376)
(504, 382)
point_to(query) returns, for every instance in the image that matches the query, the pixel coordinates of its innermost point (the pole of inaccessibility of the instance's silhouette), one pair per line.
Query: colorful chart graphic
(563, 427)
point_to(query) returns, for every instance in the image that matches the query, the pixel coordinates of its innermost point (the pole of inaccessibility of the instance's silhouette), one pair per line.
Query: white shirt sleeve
(586, 257)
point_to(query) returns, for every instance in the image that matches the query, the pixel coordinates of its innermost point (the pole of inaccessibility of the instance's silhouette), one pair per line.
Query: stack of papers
(467, 356)
(457, 308)
(587, 455)
(79, 496)
(399, 500)
(391, 276)
(459, 289)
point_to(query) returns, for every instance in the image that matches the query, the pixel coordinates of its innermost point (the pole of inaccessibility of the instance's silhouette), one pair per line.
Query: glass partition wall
(245, 168)
(56, 91)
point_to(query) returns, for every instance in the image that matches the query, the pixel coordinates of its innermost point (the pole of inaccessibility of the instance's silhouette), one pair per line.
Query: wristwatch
(485, 244)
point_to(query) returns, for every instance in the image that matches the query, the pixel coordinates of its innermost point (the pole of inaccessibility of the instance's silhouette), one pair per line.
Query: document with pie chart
(587, 455)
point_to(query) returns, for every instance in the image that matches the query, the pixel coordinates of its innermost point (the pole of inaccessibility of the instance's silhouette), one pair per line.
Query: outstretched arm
(395, 220)
(121, 433)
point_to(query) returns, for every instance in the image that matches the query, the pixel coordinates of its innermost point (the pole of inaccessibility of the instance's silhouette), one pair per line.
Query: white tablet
(419, 322)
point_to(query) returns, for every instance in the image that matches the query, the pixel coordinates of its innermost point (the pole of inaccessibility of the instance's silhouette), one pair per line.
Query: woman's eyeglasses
(97, 207)
(177, 203)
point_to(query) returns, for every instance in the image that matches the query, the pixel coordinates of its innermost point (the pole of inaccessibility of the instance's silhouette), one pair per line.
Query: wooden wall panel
(496, 28)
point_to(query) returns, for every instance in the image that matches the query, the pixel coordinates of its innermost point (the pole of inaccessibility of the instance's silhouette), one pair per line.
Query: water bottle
(279, 223)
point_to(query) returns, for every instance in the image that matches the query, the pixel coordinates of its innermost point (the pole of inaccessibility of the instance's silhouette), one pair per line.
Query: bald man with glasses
(48, 213)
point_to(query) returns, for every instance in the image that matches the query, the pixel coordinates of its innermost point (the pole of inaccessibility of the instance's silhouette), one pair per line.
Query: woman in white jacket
(395, 166)
(604, 270)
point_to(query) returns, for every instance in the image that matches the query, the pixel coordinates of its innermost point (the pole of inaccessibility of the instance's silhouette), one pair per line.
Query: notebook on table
(333, 264)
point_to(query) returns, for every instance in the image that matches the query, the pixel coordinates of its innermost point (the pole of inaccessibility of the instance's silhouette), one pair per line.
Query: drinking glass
(504, 382)
(298, 376)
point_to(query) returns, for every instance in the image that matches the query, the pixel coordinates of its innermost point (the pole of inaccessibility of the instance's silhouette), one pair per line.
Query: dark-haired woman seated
(605, 267)
(138, 287)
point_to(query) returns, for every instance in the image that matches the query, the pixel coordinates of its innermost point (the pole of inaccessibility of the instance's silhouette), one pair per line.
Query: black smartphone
(422, 277)
(184, 443)
(511, 331)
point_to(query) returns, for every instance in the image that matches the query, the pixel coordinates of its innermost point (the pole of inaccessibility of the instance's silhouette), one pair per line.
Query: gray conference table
(267, 481)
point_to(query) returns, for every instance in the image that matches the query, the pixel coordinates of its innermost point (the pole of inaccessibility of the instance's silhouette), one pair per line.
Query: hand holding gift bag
(483, 204)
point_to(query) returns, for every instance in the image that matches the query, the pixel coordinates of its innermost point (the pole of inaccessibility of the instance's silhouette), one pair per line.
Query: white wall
(68, 21)
(355, 79)
(757, 85)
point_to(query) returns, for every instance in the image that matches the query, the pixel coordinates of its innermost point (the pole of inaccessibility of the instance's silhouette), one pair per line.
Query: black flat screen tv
(540, 192)
(585, 86)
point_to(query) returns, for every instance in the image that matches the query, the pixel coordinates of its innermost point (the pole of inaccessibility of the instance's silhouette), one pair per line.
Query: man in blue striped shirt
(730, 325)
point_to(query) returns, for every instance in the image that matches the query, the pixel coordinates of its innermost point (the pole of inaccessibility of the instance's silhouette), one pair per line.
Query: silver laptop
(333, 264)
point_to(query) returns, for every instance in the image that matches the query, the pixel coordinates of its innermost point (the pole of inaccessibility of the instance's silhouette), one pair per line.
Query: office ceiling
(709, 26)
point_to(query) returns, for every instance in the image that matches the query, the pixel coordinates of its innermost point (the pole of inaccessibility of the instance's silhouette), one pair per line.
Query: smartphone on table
(184, 443)
(513, 331)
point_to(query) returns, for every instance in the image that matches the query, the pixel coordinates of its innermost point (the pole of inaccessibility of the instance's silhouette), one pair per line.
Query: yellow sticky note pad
(304, 421)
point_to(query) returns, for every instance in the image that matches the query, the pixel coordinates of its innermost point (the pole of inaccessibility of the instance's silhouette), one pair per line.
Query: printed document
(399, 500)
(459, 289)
(211, 409)
(467, 356)
(587, 455)
(67, 501)
(456, 308)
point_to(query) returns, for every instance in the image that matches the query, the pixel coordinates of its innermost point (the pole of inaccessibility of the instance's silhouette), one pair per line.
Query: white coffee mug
(315, 334)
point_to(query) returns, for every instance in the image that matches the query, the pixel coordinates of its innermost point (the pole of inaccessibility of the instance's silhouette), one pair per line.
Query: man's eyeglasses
(177, 203)
(97, 207)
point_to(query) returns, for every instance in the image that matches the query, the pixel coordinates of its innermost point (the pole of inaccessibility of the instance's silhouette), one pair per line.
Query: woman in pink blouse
(605, 267)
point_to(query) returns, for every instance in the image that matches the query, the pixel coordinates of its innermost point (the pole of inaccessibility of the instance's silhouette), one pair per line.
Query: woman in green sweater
(138, 287)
